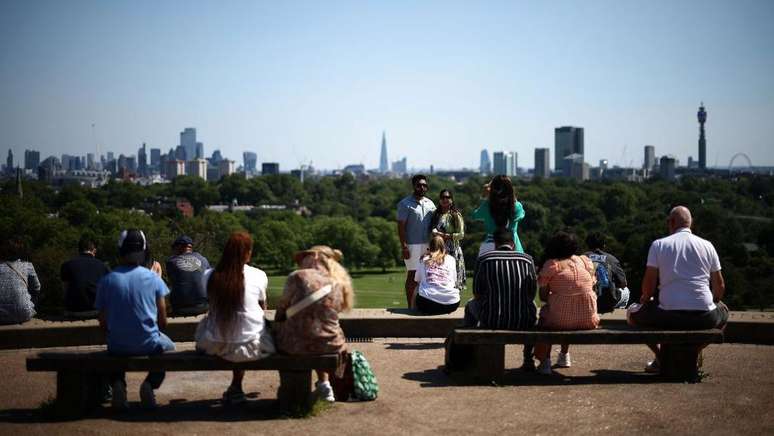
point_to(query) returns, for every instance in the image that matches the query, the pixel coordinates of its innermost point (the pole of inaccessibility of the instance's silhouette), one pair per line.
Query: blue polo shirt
(417, 215)
(128, 296)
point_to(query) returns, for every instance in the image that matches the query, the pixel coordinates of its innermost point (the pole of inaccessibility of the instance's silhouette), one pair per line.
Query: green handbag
(366, 388)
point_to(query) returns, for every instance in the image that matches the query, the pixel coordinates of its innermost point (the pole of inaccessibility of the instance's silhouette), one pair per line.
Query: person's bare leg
(236, 378)
(411, 286)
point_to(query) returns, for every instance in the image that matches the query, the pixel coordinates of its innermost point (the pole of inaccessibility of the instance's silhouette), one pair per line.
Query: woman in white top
(234, 328)
(437, 275)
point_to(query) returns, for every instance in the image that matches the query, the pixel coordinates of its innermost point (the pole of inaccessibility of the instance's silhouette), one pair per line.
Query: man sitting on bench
(687, 270)
(131, 308)
(504, 288)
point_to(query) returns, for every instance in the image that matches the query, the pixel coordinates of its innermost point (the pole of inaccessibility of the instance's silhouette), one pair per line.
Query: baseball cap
(183, 240)
(131, 241)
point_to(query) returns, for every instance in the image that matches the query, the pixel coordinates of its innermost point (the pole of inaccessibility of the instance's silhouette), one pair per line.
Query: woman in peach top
(567, 287)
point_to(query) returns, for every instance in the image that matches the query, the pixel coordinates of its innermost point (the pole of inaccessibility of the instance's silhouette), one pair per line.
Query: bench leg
(680, 362)
(489, 361)
(294, 390)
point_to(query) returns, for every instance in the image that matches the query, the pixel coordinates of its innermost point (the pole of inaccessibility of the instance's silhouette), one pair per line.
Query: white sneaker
(564, 361)
(653, 367)
(545, 367)
(147, 397)
(325, 391)
(118, 400)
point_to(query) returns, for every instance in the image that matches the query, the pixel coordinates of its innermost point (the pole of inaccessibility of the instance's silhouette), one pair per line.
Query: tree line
(358, 217)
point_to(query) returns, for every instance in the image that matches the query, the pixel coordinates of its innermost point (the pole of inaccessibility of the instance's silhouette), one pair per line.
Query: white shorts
(416, 252)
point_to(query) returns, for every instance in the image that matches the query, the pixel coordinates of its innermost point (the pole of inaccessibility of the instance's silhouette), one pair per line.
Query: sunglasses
(446, 197)
(421, 185)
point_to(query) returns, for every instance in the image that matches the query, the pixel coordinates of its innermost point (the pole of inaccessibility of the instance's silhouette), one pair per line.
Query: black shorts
(430, 307)
(652, 316)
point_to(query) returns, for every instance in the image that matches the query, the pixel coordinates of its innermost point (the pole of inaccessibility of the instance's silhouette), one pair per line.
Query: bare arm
(161, 306)
(402, 237)
(718, 285)
(649, 282)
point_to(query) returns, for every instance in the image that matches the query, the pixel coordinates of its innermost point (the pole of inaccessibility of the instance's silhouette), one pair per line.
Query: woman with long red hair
(234, 328)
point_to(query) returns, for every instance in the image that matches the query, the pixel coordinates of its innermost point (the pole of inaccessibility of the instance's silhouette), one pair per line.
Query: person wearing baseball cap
(185, 270)
(130, 300)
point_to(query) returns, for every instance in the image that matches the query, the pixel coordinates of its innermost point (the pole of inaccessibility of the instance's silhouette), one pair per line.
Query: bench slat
(598, 336)
(102, 362)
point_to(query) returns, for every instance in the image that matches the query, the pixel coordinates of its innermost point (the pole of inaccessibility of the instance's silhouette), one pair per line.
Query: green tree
(383, 234)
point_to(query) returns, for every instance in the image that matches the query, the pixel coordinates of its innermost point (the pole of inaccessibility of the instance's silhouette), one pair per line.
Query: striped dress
(505, 284)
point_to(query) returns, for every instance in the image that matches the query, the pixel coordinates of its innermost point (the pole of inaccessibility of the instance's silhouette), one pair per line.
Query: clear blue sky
(320, 80)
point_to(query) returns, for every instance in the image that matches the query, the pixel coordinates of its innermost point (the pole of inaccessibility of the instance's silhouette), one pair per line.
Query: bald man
(690, 284)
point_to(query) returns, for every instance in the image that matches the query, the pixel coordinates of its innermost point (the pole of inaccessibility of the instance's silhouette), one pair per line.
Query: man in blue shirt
(414, 215)
(131, 307)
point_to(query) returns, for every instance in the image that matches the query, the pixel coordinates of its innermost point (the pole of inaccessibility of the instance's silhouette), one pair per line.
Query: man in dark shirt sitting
(185, 269)
(80, 276)
(504, 288)
(616, 293)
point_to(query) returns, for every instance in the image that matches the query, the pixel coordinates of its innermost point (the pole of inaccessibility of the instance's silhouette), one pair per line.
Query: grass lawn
(373, 288)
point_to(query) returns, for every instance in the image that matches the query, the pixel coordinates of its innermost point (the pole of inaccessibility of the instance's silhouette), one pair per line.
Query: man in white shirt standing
(690, 284)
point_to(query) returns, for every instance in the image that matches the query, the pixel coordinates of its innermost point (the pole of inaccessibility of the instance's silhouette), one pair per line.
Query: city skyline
(303, 82)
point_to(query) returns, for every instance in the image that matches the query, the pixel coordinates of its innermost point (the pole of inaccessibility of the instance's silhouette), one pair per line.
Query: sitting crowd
(681, 289)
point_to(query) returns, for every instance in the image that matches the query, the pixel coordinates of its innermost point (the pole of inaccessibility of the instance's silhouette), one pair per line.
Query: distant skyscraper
(90, 163)
(511, 163)
(155, 157)
(650, 158)
(197, 168)
(485, 165)
(31, 160)
(142, 160)
(225, 167)
(188, 142)
(574, 167)
(567, 140)
(702, 116)
(603, 164)
(399, 166)
(543, 162)
(667, 167)
(269, 168)
(110, 156)
(383, 162)
(181, 153)
(216, 157)
(175, 168)
(250, 162)
(199, 150)
(9, 162)
(498, 163)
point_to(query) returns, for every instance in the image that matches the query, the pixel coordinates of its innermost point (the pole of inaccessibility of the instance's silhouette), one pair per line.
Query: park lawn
(373, 288)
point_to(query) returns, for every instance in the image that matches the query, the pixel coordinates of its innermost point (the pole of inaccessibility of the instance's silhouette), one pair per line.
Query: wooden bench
(77, 387)
(679, 357)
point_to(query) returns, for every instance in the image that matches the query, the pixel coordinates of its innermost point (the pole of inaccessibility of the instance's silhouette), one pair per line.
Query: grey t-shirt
(185, 274)
(417, 215)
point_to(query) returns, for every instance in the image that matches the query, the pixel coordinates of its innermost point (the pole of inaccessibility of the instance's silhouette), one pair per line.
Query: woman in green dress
(448, 223)
(499, 208)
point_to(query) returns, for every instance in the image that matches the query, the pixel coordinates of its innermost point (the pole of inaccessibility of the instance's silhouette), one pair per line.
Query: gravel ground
(605, 391)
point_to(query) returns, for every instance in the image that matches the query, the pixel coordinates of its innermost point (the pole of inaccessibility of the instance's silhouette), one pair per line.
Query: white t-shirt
(684, 263)
(436, 282)
(249, 323)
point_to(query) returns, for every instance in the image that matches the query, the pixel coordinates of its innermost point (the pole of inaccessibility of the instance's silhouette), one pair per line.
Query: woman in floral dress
(448, 223)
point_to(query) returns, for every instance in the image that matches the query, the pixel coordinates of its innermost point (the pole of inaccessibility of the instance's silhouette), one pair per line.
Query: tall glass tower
(702, 116)
(384, 165)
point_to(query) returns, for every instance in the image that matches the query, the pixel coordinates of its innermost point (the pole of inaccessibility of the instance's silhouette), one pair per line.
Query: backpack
(358, 382)
(607, 293)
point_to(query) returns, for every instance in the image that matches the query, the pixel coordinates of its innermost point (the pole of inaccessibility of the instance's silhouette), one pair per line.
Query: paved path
(606, 391)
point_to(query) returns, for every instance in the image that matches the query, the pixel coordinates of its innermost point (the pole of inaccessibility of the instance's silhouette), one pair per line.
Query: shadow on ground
(177, 410)
(434, 378)
(415, 345)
